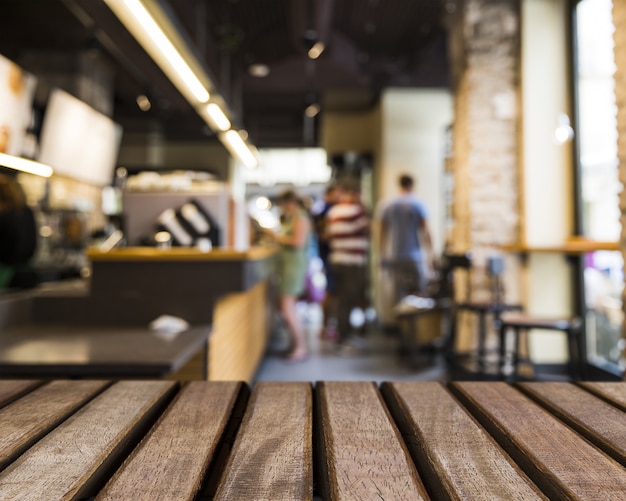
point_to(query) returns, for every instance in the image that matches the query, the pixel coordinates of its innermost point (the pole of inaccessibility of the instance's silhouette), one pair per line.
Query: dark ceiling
(370, 45)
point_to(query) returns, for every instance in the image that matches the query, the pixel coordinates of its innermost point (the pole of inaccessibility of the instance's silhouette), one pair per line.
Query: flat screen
(17, 89)
(77, 141)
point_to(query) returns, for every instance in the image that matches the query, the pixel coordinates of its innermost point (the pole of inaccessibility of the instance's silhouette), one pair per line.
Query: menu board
(17, 89)
(77, 141)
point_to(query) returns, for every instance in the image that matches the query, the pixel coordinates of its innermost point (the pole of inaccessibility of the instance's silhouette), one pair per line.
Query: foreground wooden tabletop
(160, 440)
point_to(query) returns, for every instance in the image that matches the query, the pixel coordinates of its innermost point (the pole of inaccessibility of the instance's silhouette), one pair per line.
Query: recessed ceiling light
(143, 102)
(259, 70)
(312, 110)
(316, 50)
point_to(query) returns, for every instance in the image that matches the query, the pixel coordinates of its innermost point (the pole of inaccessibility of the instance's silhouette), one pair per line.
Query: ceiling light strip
(219, 118)
(238, 148)
(25, 165)
(149, 34)
(146, 30)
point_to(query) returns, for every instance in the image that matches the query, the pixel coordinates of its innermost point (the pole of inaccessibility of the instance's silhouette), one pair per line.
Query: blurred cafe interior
(118, 116)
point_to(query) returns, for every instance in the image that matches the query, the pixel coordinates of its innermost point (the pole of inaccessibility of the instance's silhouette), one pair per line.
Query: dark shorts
(408, 278)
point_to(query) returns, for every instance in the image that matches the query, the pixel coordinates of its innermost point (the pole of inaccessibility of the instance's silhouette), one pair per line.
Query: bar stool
(518, 323)
(438, 303)
(482, 309)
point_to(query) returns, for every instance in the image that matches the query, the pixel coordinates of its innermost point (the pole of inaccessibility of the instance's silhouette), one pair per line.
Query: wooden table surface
(162, 440)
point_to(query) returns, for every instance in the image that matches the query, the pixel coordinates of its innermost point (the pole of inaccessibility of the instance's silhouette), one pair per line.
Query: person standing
(18, 236)
(348, 232)
(293, 239)
(405, 240)
(329, 329)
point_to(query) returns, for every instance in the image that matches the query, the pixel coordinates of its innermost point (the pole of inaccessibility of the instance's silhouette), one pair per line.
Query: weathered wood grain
(27, 419)
(613, 392)
(272, 455)
(562, 463)
(600, 422)
(142, 440)
(12, 389)
(363, 454)
(172, 460)
(455, 456)
(67, 463)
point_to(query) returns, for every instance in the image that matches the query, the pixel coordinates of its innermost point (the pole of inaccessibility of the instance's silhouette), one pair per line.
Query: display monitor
(77, 141)
(17, 89)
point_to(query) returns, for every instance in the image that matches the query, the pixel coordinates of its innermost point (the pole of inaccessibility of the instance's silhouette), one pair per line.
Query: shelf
(574, 246)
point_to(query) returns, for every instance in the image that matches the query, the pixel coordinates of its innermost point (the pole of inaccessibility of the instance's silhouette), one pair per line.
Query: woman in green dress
(293, 240)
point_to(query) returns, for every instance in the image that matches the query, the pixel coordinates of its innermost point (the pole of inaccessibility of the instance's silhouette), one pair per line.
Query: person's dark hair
(350, 187)
(406, 181)
(11, 194)
(288, 195)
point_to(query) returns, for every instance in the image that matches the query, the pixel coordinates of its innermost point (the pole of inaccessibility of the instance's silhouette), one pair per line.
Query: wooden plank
(74, 460)
(561, 462)
(613, 392)
(363, 454)
(600, 422)
(172, 460)
(23, 422)
(272, 457)
(455, 456)
(11, 390)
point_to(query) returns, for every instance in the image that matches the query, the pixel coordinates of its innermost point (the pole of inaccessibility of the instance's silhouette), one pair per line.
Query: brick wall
(485, 135)
(619, 19)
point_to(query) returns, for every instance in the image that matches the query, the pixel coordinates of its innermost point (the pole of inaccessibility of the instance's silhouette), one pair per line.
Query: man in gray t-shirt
(406, 237)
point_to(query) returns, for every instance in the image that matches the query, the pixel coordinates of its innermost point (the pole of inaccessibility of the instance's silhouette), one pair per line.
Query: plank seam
(492, 426)
(120, 453)
(217, 466)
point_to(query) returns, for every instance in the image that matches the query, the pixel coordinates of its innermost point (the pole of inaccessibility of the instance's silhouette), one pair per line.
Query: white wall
(547, 171)
(547, 166)
(414, 123)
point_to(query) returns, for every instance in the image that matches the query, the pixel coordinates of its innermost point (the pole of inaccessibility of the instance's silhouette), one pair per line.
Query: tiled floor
(378, 361)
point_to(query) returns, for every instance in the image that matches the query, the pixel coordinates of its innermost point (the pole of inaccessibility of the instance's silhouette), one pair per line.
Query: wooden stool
(519, 322)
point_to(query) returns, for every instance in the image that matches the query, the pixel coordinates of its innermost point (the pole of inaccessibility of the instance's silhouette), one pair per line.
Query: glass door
(599, 186)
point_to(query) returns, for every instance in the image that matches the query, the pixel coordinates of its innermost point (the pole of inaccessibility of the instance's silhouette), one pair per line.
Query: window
(599, 182)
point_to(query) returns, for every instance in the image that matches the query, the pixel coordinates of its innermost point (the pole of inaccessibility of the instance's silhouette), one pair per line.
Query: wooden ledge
(573, 246)
(180, 254)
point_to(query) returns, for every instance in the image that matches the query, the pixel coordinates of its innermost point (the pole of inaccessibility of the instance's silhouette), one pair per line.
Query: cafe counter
(230, 291)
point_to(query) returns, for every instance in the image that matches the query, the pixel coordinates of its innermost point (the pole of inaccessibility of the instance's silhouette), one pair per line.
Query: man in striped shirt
(348, 232)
